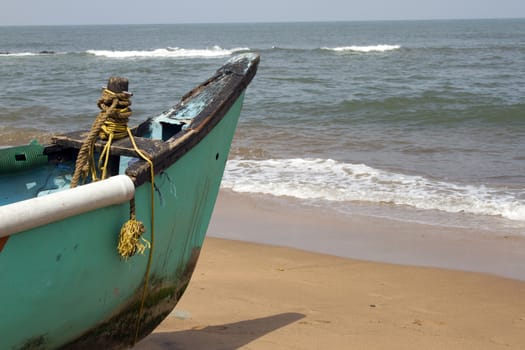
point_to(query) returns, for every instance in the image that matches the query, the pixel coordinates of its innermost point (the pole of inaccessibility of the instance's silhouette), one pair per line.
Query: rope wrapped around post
(110, 124)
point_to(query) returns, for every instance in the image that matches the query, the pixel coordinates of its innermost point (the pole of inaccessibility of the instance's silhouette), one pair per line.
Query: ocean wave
(364, 49)
(211, 52)
(24, 54)
(170, 52)
(330, 180)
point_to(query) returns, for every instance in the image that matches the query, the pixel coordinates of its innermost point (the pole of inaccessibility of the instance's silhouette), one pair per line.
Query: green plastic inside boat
(20, 158)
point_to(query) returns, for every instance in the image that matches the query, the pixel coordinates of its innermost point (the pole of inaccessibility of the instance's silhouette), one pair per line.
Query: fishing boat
(99, 262)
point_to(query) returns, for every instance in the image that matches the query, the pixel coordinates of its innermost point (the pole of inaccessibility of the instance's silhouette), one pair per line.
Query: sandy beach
(246, 295)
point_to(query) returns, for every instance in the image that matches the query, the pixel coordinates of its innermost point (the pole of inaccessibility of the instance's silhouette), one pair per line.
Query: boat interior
(35, 170)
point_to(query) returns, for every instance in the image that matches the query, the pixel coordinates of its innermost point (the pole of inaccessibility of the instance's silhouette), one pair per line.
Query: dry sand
(252, 296)
(256, 296)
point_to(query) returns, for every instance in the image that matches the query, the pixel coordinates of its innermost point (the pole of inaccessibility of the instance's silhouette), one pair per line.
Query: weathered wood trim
(122, 147)
(234, 78)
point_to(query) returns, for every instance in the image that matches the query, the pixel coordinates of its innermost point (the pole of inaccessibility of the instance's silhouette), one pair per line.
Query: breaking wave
(24, 54)
(331, 180)
(170, 52)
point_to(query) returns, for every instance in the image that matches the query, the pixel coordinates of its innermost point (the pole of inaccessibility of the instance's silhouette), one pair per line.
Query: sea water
(412, 120)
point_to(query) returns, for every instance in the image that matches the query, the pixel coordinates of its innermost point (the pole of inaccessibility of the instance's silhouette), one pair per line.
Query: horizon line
(263, 22)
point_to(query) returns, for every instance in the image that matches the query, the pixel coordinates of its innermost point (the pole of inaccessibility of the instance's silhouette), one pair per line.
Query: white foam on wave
(330, 180)
(24, 54)
(365, 49)
(170, 52)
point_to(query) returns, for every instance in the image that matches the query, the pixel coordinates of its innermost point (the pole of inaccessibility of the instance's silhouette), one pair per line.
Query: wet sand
(260, 296)
(283, 223)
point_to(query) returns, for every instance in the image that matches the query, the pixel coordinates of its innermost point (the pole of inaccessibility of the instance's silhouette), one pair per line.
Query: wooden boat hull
(64, 285)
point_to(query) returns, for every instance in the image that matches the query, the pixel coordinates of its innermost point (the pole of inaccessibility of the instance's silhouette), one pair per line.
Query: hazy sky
(22, 12)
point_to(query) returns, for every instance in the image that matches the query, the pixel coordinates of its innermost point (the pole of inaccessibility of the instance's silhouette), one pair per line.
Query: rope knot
(110, 124)
(131, 240)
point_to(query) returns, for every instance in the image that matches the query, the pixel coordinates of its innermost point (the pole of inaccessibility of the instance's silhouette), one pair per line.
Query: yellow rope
(130, 238)
(112, 124)
(108, 125)
(131, 232)
(152, 244)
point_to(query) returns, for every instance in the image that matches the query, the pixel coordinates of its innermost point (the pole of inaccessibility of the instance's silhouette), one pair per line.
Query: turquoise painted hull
(64, 285)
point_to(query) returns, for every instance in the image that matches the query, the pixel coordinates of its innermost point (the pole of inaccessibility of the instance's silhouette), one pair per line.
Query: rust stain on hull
(3, 241)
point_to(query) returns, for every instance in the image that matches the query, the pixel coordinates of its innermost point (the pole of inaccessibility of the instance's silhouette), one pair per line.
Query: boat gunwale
(237, 74)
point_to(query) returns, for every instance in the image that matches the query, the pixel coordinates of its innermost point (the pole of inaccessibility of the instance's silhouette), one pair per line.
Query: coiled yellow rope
(112, 124)
(108, 125)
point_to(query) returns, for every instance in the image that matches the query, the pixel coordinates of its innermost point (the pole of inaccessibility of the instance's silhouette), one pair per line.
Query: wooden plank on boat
(122, 147)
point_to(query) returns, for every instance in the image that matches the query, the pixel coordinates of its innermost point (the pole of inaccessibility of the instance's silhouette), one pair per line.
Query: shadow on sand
(223, 337)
